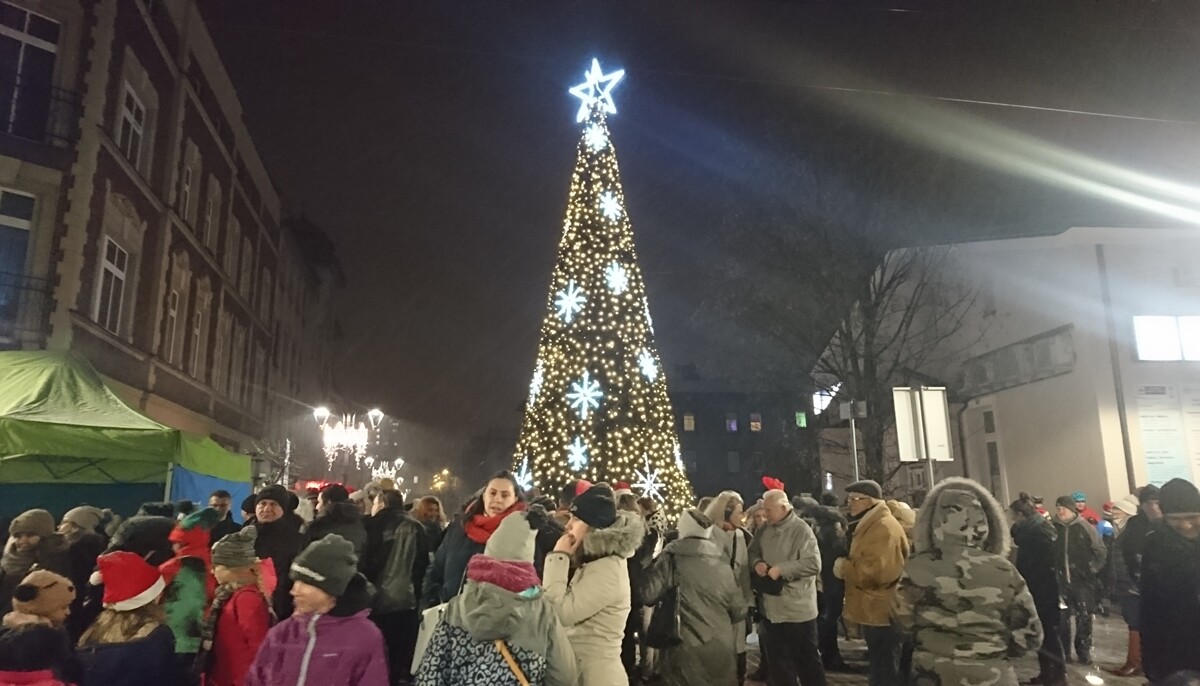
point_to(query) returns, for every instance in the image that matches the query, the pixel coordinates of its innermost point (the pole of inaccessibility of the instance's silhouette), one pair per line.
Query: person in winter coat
(34, 655)
(33, 543)
(871, 571)
(396, 561)
(1034, 537)
(1079, 557)
(1127, 567)
(130, 643)
(329, 641)
(501, 608)
(594, 603)
(966, 605)
(337, 515)
(279, 541)
(786, 563)
(726, 511)
(81, 528)
(1125, 590)
(429, 512)
(501, 496)
(709, 599)
(240, 616)
(190, 585)
(1079, 504)
(1170, 611)
(829, 526)
(222, 501)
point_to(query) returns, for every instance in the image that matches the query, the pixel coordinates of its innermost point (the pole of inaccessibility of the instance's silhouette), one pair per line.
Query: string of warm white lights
(598, 406)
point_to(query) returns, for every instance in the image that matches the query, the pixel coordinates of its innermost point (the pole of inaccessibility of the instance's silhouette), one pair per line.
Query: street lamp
(376, 416)
(321, 414)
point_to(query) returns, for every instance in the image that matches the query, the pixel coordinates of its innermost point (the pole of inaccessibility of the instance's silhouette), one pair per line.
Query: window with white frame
(188, 178)
(194, 345)
(264, 294)
(16, 221)
(1167, 339)
(220, 344)
(689, 421)
(172, 324)
(28, 49)
(114, 273)
(212, 209)
(237, 362)
(131, 126)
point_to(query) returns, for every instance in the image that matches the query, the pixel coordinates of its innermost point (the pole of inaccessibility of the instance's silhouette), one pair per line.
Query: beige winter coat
(594, 605)
(873, 568)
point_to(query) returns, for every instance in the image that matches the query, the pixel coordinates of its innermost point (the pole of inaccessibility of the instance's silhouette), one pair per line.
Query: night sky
(434, 142)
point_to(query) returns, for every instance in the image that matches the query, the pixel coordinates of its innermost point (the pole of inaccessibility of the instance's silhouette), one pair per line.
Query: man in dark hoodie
(337, 515)
(1170, 612)
(829, 526)
(1079, 557)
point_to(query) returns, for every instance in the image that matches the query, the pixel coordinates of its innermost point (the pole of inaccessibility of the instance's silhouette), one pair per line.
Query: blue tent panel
(188, 485)
(123, 499)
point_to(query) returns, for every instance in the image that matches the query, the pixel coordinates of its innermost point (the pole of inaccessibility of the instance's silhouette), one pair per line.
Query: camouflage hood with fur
(961, 513)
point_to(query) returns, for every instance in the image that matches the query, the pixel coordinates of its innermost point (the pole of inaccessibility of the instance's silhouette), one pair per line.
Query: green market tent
(61, 425)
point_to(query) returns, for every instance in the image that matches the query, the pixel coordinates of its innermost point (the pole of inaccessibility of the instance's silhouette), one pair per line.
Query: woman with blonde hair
(725, 511)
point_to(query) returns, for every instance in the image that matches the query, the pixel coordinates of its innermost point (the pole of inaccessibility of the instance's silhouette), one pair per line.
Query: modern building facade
(1080, 363)
(139, 226)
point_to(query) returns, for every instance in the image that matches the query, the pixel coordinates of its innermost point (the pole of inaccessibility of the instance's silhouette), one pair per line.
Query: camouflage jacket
(961, 598)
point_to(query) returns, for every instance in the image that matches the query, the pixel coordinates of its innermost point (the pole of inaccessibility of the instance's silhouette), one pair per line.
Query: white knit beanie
(513, 540)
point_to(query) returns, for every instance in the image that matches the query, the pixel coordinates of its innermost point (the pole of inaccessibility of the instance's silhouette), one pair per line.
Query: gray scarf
(17, 562)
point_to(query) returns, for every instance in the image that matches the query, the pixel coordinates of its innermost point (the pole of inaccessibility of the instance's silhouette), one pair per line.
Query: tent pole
(167, 489)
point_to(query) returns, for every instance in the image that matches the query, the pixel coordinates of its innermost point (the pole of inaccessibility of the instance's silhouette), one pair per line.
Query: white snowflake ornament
(648, 365)
(595, 138)
(577, 454)
(616, 277)
(535, 386)
(569, 302)
(610, 207)
(649, 482)
(523, 476)
(585, 395)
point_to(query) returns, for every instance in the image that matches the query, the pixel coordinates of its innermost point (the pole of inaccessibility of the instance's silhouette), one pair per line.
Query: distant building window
(172, 325)
(689, 421)
(185, 193)
(755, 423)
(246, 279)
(114, 267)
(733, 462)
(132, 126)
(916, 478)
(731, 423)
(233, 239)
(821, 399)
(989, 422)
(1167, 339)
(759, 464)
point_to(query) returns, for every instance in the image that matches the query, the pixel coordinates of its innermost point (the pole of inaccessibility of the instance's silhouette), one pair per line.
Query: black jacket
(830, 528)
(396, 560)
(280, 541)
(1079, 555)
(83, 552)
(342, 519)
(1170, 604)
(445, 578)
(1133, 544)
(224, 528)
(1035, 537)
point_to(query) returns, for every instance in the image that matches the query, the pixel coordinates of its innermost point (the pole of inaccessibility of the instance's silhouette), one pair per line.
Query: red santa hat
(129, 581)
(621, 489)
(581, 486)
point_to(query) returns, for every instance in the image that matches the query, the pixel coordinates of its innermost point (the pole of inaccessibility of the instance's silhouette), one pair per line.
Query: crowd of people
(595, 587)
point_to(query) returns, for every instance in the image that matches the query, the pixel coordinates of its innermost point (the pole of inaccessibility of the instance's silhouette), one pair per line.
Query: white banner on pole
(908, 431)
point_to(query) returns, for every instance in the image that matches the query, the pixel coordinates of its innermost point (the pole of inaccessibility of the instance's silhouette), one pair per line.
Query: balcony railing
(40, 114)
(24, 301)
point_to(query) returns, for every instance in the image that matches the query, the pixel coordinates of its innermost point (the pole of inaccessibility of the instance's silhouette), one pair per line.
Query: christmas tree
(598, 406)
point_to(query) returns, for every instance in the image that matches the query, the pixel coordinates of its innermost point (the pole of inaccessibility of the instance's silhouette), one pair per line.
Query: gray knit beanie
(236, 549)
(513, 540)
(329, 564)
(85, 517)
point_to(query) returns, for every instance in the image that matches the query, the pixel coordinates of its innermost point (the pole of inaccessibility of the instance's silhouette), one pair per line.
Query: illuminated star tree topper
(598, 407)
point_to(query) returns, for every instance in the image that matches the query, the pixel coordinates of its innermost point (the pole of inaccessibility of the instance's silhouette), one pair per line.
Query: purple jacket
(342, 648)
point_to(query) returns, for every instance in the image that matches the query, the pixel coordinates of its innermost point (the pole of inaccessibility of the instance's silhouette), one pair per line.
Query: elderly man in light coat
(786, 563)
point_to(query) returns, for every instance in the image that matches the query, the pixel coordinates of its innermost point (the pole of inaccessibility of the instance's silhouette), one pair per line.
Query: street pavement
(1110, 642)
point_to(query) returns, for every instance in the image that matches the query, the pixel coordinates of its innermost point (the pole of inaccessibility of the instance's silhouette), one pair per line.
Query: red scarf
(481, 527)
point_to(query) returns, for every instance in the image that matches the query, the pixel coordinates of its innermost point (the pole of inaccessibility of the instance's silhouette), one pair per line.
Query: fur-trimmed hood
(622, 538)
(962, 512)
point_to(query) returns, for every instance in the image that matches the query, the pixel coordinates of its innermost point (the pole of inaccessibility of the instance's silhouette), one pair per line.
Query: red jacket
(44, 677)
(241, 629)
(1090, 515)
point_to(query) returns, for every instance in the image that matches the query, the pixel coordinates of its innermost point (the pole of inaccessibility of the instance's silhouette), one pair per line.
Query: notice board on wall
(1169, 419)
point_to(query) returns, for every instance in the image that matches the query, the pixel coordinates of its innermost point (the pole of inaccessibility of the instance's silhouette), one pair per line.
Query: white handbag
(429, 622)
